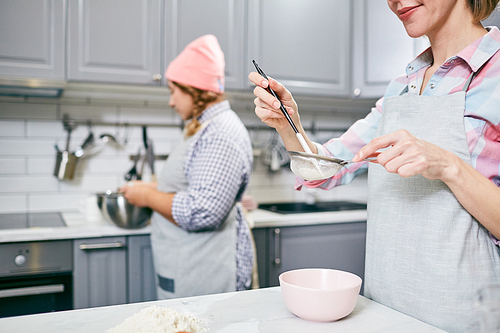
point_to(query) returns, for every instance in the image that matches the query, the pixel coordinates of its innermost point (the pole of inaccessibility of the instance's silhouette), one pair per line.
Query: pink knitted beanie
(200, 65)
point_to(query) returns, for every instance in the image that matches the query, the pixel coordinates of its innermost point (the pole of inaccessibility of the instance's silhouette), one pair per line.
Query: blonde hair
(481, 9)
(201, 98)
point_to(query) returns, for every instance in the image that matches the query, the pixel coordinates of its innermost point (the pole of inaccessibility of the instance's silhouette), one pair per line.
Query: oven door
(29, 294)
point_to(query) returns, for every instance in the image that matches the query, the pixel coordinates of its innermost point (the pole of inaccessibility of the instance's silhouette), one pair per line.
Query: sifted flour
(155, 319)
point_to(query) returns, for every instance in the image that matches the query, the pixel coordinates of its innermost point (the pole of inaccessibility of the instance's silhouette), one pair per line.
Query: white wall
(29, 128)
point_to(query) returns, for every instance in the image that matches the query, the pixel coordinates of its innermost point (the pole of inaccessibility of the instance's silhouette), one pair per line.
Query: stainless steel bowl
(115, 208)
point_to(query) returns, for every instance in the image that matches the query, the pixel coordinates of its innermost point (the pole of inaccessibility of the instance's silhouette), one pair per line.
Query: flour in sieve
(155, 319)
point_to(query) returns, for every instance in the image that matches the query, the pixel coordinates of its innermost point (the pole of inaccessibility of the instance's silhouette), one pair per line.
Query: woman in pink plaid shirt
(434, 197)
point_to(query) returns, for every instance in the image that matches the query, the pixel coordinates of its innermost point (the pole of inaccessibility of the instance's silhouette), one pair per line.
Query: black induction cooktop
(317, 207)
(31, 220)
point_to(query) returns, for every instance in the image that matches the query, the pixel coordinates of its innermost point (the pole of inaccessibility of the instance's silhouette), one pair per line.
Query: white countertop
(261, 310)
(78, 227)
(264, 218)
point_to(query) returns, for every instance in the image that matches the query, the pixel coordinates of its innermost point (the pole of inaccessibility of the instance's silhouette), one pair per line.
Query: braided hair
(201, 98)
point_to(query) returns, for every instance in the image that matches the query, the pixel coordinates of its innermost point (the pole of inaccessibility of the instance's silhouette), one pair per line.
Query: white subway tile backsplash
(13, 203)
(51, 129)
(54, 202)
(12, 166)
(12, 128)
(91, 183)
(148, 115)
(41, 165)
(21, 184)
(91, 112)
(119, 165)
(28, 147)
(28, 111)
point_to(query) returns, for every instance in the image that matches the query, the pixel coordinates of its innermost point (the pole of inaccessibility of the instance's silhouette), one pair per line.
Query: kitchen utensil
(299, 136)
(106, 137)
(119, 211)
(275, 155)
(132, 174)
(89, 140)
(305, 165)
(65, 160)
(150, 156)
(65, 165)
(318, 294)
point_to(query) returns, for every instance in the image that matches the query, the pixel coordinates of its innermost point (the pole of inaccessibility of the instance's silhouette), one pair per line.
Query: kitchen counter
(261, 310)
(264, 219)
(76, 227)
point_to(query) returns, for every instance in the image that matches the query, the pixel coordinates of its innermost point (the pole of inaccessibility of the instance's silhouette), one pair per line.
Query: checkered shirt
(218, 165)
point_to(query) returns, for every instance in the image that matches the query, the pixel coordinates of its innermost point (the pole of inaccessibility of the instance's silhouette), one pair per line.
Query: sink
(302, 207)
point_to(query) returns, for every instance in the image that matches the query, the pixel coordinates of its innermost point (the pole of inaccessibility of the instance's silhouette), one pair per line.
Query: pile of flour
(155, 319)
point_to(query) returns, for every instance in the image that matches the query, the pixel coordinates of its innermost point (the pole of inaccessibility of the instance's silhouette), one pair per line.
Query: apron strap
(404, 91)
(471, 77)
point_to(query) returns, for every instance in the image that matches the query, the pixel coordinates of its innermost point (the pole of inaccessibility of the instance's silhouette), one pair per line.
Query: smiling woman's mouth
(406, 12)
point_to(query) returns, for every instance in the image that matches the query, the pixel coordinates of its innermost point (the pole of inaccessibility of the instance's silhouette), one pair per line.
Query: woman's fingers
(406, 155)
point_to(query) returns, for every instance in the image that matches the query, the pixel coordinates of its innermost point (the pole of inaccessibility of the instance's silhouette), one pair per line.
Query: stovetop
(31, 220)
(317, 207)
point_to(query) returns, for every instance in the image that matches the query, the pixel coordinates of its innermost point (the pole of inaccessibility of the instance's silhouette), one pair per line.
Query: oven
(35, 277)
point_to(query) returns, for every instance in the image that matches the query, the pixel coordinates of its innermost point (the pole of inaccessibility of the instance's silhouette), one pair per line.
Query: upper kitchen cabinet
(186, 20)
(305, 44)
(32, 38)
(337, 48)
(114, 41)
(381, 48)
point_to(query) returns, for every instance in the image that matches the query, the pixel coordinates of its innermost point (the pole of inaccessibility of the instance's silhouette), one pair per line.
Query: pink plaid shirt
(481, 117)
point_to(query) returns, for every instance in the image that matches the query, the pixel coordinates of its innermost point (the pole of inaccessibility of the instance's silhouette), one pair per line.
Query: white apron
(426, 256)
(191, 263)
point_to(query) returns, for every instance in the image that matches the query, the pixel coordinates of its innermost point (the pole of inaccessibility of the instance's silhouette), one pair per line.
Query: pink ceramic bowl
(318, 294)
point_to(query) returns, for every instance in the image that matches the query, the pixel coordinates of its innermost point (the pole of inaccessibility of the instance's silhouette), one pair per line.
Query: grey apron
(191, 263)
(426, 256)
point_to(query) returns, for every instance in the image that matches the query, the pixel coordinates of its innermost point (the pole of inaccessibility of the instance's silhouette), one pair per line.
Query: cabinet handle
(28, 291)
(102, 246)
(157, 77)
(277, 247)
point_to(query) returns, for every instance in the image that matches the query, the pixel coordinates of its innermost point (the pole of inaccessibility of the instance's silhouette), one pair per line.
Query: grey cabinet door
(336, 246)
(32, 38)
(114, 41)
(381, 48)
(141, 276)
(186, 20)
(304, 44)
(100, 272)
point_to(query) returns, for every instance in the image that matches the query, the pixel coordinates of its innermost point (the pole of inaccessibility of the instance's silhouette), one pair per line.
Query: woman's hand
(267, 107)
(408, 155)
(136, 192)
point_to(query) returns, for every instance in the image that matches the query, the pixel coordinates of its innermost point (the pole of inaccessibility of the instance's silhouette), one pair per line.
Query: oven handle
(29, 291)
(102, 246)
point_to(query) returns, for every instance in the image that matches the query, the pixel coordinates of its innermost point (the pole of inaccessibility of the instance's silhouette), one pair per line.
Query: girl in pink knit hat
(201, 242)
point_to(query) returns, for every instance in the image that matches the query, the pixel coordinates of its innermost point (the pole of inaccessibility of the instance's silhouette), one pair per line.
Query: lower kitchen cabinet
(141, 276)
(336, 246)
(99, 272)
(112, 270)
